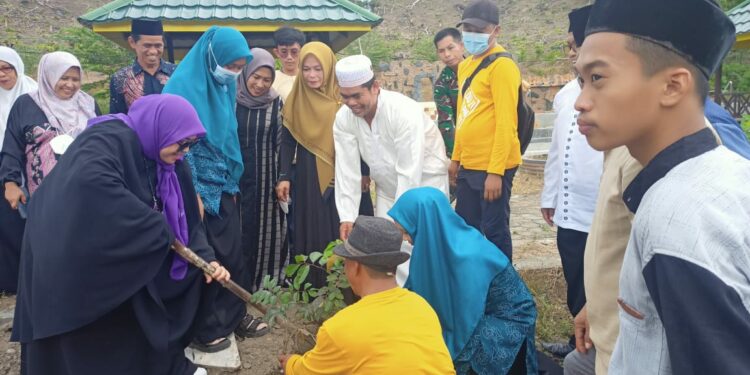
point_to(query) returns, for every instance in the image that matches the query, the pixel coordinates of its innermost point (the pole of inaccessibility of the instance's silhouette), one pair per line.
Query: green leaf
(315, 256)
(338, 295)
(291, 269)
(306, 297)
(262, 296)
(285, 297)
(267, 282)
(301, 276)
(313, 293)
(300, 258)
(330, 246)
(307, 286)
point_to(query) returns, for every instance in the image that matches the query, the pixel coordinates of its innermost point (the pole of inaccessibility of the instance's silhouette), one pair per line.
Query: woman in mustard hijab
(306, 156)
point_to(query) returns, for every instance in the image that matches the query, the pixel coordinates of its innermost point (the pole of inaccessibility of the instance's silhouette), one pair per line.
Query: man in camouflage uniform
(450, 50)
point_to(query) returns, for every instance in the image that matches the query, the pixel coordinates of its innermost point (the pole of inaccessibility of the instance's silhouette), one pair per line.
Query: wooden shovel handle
(239, 291)
(208, 269)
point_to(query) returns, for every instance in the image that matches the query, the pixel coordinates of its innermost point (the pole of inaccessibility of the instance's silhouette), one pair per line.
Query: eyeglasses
(186, 144)
(7, 69)
(283, 52)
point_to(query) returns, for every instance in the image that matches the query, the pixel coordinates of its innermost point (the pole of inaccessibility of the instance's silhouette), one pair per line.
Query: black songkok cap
(578, 19)
(146, 27)
(695, 29)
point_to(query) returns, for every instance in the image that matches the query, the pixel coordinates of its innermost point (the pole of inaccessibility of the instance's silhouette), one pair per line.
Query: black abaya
(95, 295)
(11, 234)
(264, 227)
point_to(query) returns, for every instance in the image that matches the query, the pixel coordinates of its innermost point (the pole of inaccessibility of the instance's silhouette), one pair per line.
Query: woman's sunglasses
(186, 144)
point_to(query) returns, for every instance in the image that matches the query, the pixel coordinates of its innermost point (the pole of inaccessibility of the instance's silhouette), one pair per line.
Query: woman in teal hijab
(487, 313)
(207, 78)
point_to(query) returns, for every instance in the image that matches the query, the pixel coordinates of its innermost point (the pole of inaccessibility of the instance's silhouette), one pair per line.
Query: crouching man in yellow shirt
(390, 330)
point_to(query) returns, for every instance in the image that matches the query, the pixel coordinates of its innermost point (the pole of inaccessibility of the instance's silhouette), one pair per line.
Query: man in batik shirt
(148, 74)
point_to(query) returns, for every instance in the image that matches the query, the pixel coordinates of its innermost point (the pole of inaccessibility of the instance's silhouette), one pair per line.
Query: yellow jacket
(487, 118)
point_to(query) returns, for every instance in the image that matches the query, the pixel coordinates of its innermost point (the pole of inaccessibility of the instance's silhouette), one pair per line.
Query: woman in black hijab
(100, 292)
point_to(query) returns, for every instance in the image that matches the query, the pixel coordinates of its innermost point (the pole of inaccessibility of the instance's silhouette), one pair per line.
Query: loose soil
(9, 351)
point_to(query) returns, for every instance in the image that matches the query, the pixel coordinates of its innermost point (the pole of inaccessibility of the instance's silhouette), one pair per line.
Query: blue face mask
(221, 74)
(476, 43)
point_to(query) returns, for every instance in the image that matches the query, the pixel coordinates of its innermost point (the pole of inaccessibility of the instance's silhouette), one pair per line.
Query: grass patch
(100, 92)
(548, 287)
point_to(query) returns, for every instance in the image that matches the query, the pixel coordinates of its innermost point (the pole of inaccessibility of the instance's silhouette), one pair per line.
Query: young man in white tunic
(684, 294)
(571, 183)
(391, 133)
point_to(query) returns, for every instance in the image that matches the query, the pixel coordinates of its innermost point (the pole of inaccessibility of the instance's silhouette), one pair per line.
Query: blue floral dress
(508, 323)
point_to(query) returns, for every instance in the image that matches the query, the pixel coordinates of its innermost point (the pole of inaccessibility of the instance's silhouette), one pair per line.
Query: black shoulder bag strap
(485, 63)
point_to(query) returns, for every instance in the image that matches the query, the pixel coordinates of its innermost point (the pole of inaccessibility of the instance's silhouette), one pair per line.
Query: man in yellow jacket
(487, 151)
(390, 330)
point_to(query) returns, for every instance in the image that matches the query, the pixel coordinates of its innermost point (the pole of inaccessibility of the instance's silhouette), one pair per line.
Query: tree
(729, 4)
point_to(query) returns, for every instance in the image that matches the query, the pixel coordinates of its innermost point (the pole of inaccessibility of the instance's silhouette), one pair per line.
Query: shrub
(312, 305)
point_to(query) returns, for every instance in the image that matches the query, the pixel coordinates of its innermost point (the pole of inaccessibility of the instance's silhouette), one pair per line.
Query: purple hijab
(160, 121)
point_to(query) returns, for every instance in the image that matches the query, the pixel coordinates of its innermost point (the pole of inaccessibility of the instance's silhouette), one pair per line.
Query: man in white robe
(391, 133)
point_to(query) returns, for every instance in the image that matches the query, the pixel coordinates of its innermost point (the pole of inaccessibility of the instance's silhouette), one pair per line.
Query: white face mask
(221, 74)
(406, 247)
(476, 43)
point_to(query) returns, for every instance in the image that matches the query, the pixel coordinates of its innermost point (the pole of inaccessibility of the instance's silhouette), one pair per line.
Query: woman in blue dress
(486, 311)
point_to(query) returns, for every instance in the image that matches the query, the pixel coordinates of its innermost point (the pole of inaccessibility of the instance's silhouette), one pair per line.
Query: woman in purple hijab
(100, 291)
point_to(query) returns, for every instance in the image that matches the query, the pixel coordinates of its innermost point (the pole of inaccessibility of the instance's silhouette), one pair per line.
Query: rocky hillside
(533, 30)
(36, 20)
(533, 21)
(534, 24)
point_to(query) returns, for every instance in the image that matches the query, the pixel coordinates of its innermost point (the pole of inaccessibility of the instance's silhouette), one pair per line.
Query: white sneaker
(200, 371)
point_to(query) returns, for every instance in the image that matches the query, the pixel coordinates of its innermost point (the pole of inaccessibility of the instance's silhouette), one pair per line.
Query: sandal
(211, 348)
(248, 327)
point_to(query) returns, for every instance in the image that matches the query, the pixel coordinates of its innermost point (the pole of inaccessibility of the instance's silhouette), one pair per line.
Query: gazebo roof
(335, 22)
(740, 15)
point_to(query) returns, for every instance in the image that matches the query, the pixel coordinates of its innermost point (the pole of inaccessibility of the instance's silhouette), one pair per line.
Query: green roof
(275, 11)
(740, 15)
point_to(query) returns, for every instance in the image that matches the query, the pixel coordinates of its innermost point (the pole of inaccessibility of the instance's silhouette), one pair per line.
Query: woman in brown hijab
(306, 155)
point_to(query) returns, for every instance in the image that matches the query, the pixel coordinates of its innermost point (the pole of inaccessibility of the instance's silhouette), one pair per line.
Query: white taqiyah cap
(353, 71)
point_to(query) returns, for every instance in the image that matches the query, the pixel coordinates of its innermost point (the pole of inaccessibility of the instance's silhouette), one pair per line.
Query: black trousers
(571, 245)
(490, 218)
